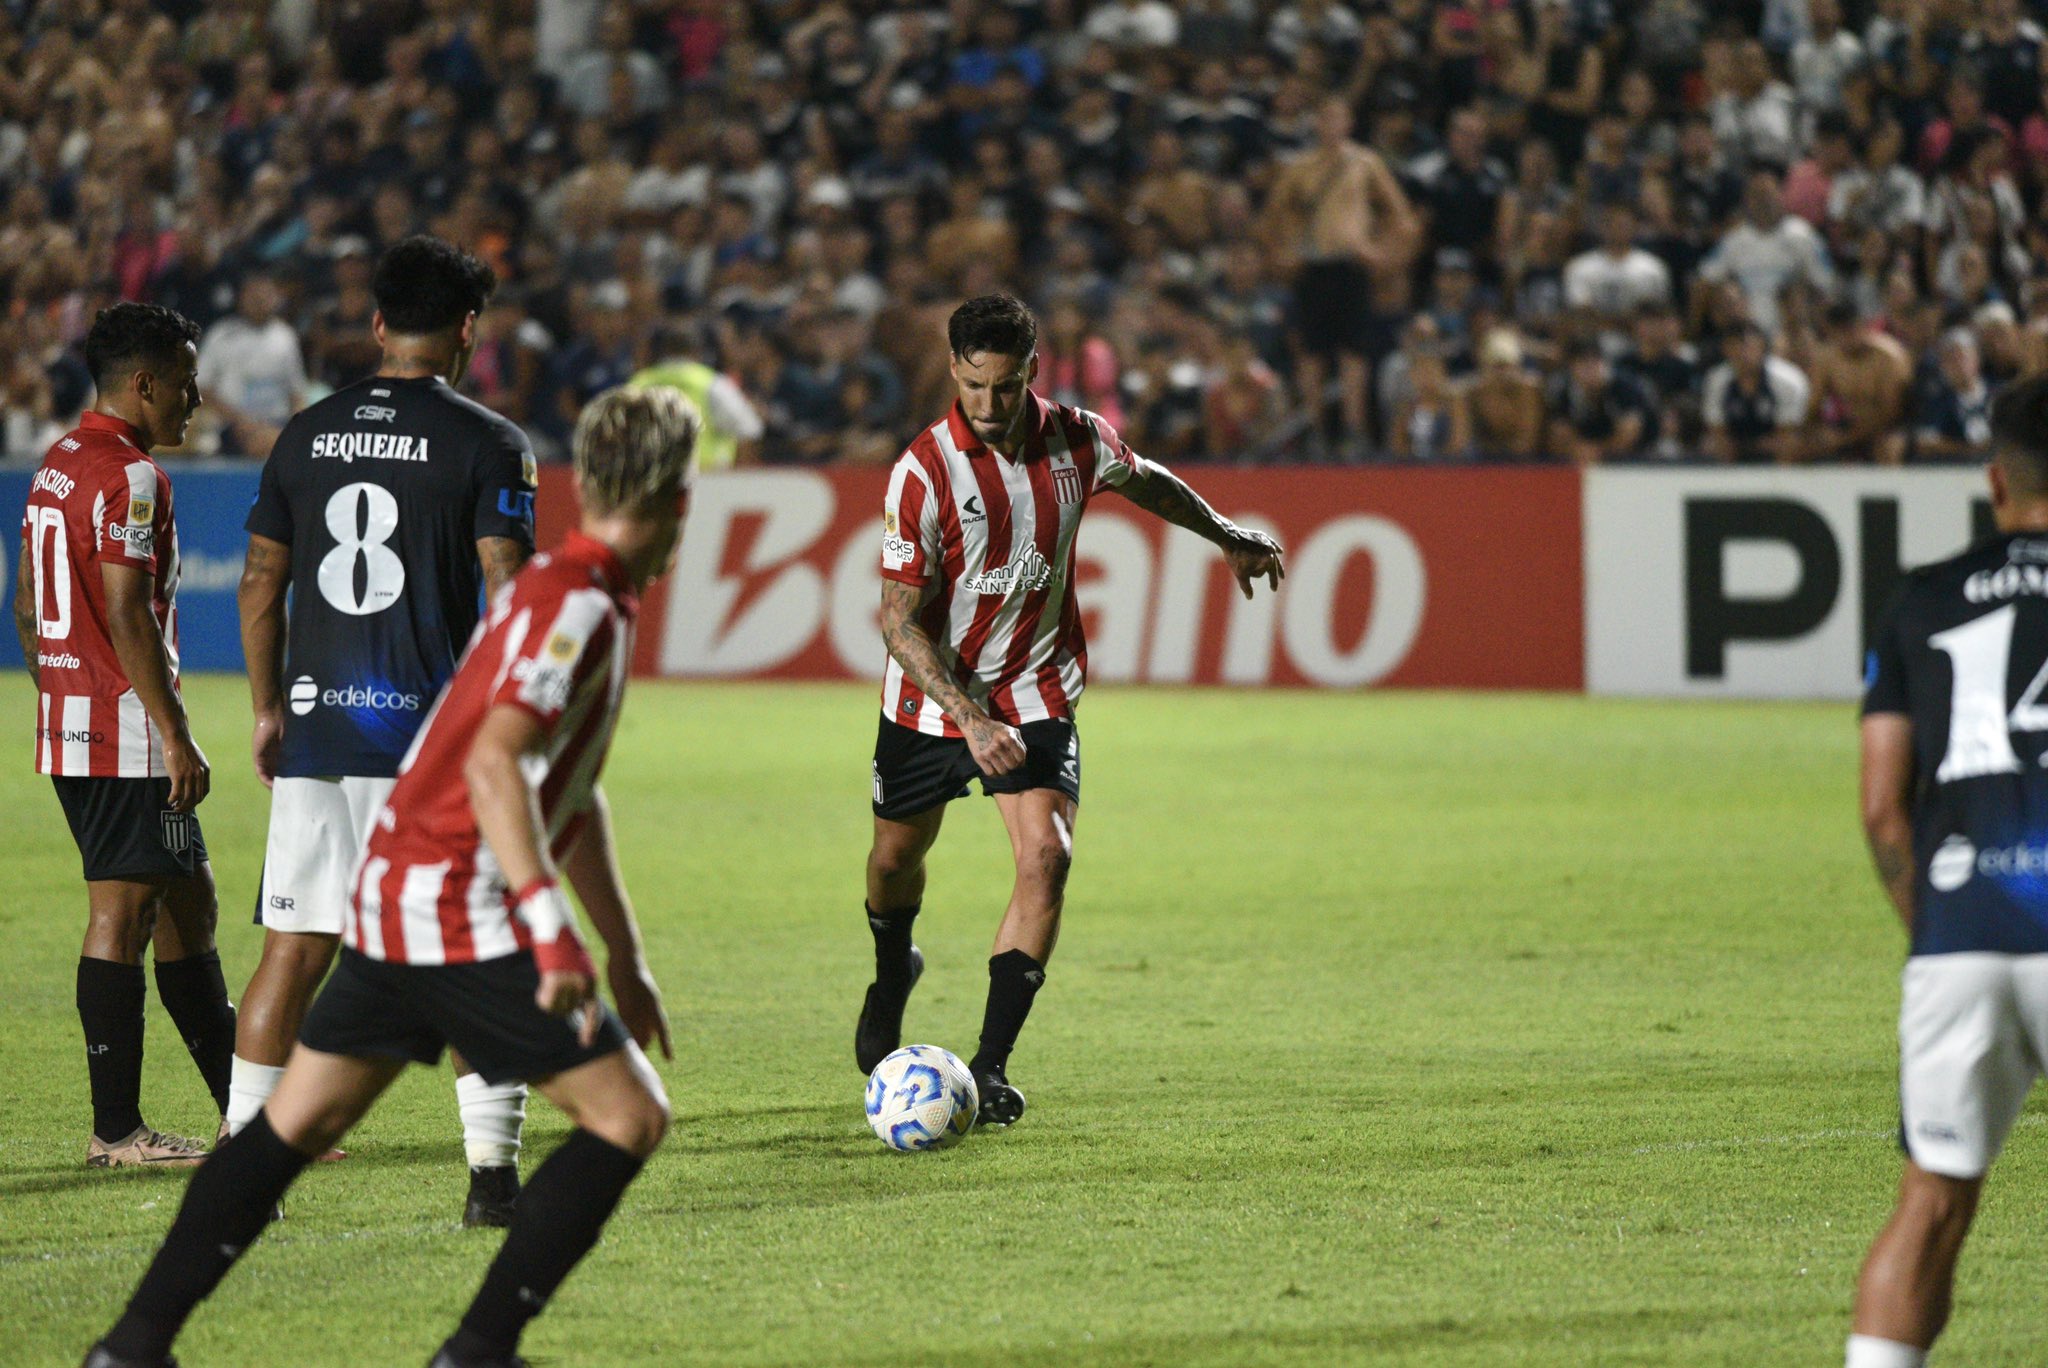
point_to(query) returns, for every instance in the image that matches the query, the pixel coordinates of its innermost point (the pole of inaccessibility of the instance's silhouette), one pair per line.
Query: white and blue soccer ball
(921, 1097)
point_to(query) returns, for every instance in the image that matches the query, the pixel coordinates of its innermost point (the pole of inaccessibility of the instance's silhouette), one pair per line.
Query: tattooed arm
(998, 748)
(1887, 820)
(502, 558)
(1158, 490)
(266, 576)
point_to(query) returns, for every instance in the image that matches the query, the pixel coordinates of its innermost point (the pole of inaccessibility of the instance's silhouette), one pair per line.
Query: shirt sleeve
(1884, 668)
(506, 478)
(271, 514)
(134, 505)
(910, 524)
(1115, 462)
(563, 641)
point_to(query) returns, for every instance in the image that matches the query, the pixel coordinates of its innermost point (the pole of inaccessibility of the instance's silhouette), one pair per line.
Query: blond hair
(634, 447)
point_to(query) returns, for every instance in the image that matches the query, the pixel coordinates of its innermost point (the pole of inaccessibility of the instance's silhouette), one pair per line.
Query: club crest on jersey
(889, 521)
(1027, 574)
(141, 510)
(1066, 484)
(529, 470)
(562, 648)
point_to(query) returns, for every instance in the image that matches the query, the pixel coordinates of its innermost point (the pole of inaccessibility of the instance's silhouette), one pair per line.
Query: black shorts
(372, 1009)
(915, 772)
(125, 828)
(1333, 307)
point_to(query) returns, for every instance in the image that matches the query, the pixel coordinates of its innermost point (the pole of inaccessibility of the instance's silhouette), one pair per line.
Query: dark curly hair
(425, 285)
(996, 323)
(124, 338)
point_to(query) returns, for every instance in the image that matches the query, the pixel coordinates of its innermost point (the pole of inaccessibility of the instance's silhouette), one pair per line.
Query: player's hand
(639, 1002)
(997, 747)
(1254, 555)
(191, 777)
(564, 992)
(266, 744)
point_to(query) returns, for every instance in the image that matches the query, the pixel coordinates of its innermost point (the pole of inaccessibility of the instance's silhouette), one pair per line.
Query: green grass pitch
(1420, 1029)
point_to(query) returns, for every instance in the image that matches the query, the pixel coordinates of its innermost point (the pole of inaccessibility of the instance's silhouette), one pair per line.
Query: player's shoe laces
(493, 1194)
(99, 1356)
(1001, 1104)
(881, 1016)
(145, 1148)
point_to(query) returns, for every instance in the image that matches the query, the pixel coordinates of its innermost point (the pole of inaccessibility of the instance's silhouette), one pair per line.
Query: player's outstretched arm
(997, 747)
(508, 816)
(1252, 555)
(1887, 788)
(259, 598)
(593, 870)
(27, 594)
(139, 646)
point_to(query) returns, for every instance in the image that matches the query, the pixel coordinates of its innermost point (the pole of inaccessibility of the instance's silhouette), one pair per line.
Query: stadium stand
(1594, 212)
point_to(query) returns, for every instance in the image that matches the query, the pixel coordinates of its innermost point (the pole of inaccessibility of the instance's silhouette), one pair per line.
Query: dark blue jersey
(382, 490)
(1964, 655)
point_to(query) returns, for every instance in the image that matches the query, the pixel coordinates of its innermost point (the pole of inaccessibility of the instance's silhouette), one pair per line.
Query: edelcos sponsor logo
(351, 447)
(1952, 865)
(1027, 574)
(1958, 861)
(307, 695)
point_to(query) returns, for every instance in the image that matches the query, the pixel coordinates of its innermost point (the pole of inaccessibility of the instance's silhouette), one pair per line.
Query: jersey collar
(971, 445)
(605, 560)
(91, 421)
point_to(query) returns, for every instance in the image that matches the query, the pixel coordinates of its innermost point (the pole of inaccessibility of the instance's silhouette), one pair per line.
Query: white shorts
(317, 831)
(1973, 1032)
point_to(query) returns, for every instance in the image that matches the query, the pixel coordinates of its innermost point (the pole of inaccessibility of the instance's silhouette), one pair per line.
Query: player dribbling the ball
(987, 660)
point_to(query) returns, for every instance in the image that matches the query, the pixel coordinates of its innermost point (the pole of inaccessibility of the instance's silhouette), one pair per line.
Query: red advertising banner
(1467, 578)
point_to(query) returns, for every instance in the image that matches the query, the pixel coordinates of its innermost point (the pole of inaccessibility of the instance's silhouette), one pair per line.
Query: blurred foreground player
(459, 934)
(1955, 804)
(96, 609)
(382, 510)
(987, 659)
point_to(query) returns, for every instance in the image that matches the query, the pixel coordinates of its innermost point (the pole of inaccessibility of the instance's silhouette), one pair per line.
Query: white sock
(1868, 1351)
(492, 1114)
(249, 1087)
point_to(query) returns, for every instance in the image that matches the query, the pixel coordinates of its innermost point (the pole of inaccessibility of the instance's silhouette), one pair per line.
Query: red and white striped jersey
(98, 499)
(995, 535)
(557, 643)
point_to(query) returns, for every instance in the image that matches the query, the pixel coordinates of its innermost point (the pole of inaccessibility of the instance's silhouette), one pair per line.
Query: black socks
(892, 944)
(1014, 978)
(110, 1009)
(561, 1211)
(196, 996)
(230, 1199)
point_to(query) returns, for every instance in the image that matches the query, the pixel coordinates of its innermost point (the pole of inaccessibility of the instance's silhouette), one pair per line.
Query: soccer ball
(921, 1097)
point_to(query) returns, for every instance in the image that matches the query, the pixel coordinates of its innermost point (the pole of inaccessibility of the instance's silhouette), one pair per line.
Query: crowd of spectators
(1255, 230)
